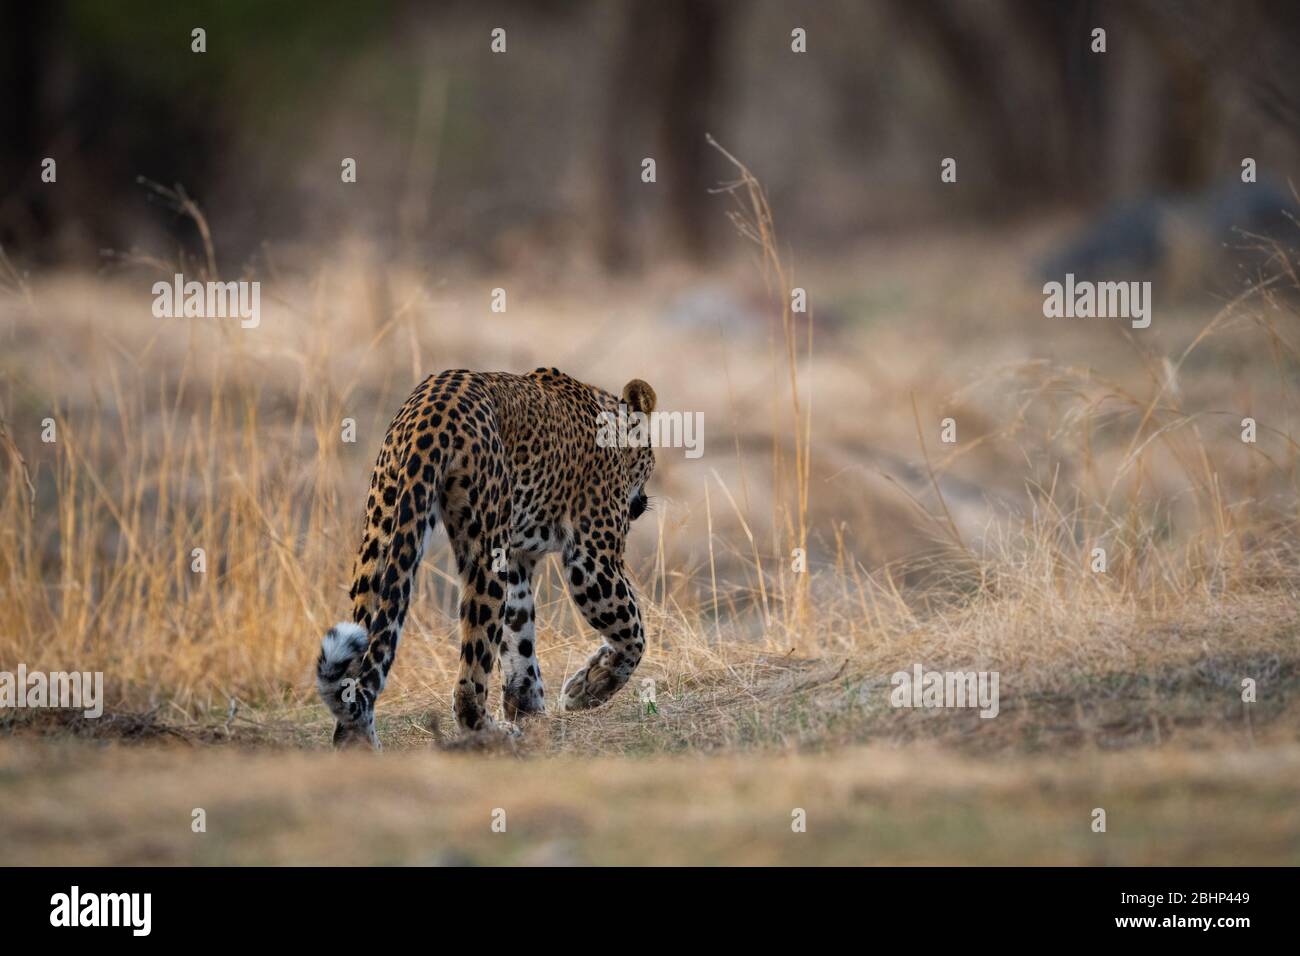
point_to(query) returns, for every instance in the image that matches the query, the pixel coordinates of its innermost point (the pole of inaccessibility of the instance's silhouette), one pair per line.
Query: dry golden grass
(821, 434)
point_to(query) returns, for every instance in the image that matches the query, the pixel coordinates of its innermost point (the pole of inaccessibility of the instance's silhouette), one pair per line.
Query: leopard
(512, 468)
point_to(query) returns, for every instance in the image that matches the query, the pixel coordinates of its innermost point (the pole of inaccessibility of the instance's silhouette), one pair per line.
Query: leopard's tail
(342, 650)
(355, 658)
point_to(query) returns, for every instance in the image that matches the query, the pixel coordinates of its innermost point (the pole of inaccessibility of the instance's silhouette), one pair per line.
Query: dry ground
(68, 804)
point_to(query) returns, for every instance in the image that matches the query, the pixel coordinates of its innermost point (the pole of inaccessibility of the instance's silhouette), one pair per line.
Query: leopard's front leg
(602, 591)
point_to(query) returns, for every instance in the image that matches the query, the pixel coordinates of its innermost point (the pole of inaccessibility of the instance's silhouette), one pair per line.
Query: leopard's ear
(638, 396)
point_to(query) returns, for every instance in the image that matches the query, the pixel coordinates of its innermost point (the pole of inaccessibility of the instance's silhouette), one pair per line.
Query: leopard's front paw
(593, 684)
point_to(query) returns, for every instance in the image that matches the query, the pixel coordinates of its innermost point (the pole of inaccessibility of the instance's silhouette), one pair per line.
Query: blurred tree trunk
(1057, 38)
(685, 108)
(972, 65)
(26, 51)
(663, 91)
(1042, 105)
(1257, 42)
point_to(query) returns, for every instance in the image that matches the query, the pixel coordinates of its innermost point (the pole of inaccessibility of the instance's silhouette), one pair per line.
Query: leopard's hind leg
(522, 692)
(479, 535)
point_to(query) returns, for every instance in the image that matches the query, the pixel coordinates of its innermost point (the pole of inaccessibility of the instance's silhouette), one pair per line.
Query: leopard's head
(638, 396)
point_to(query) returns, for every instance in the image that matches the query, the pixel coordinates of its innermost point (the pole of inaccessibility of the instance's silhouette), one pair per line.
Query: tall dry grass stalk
(752, 217)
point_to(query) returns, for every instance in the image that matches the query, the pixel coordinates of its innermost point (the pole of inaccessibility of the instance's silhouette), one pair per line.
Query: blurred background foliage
(492, 161)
